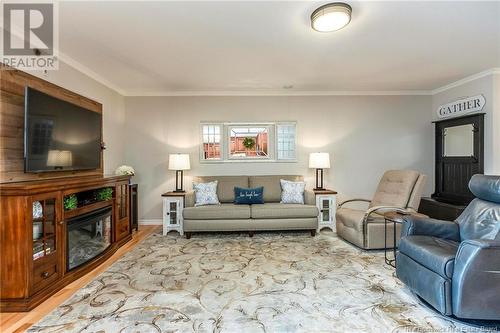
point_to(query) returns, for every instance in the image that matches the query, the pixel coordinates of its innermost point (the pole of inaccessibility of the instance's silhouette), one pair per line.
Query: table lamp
(319, 161)
(179, 163)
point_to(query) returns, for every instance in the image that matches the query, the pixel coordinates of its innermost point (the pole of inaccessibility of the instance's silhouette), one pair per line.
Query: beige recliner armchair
(398, 190)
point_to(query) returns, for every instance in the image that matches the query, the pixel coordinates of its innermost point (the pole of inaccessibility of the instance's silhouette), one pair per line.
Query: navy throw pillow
(248, 196)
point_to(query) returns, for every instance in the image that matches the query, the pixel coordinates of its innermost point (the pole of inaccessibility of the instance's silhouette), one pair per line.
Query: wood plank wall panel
(12, 87)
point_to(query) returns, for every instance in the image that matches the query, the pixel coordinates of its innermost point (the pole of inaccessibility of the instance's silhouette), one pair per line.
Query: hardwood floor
(21, 321)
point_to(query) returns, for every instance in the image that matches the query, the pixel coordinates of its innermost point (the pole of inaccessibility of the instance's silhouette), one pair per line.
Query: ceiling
(233, 47)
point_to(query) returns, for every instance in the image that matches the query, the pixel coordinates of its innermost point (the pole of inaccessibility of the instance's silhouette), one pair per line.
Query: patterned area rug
(272, 282)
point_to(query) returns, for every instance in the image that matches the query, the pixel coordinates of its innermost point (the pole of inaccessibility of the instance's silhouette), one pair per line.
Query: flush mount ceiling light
(331, 17)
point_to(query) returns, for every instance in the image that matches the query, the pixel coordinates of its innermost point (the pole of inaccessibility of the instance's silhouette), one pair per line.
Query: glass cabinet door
(325, 209)
(44, 222)
(173, 211)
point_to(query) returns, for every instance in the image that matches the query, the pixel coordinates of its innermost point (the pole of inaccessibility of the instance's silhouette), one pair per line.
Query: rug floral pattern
(272, 282)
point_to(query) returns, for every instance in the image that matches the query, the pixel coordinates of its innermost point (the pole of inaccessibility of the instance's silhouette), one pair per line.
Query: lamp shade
(179, 162)
(319, 160)
(59, 158)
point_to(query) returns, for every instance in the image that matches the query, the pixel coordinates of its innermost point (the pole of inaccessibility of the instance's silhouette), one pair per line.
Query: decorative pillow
(248, 196)
(292, 192)
(206, 193)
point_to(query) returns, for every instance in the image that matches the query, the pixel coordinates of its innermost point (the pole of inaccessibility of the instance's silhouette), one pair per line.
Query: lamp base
(179, 191)
(318, 189)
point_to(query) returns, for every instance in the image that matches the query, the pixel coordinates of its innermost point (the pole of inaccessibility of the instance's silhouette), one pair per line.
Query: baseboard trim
(150, 222)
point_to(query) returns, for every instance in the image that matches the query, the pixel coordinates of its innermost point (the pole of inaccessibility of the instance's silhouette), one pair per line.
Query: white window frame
(270, 146)
(286, 124)
(221, 142)
(225, 142)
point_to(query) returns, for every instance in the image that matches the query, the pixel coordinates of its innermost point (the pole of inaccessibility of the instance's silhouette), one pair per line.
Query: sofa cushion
(283, 211)
(271, 184)
(225, 186)
(217, 212)
(395, 188)
(437, 254)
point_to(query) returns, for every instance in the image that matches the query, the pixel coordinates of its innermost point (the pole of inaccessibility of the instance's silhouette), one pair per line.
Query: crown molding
(264, 93)
(90, 73)
(75, 64)
(78, 66)
(473, 77)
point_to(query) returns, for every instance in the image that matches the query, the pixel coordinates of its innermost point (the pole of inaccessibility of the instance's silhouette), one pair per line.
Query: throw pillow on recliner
(248, 196)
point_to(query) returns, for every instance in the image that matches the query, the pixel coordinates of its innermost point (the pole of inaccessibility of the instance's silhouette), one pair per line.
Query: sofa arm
(189, 199)
(476, 280)
(309, 197)
(417, 225)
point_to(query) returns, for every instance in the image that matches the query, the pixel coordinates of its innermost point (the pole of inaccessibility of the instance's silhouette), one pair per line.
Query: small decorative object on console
(292, 192)
(248, 196)
(37, 210)
(125, 170)
(70, 202)
(104, 194)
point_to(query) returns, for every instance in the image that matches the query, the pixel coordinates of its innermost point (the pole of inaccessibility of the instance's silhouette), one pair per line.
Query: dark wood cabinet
(34, 235)
(45, 213)
(134, 206)
(122, 211)
(440, 210)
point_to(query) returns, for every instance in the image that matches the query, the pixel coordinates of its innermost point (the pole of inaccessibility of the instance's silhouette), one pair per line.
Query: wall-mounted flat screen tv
(59, 136)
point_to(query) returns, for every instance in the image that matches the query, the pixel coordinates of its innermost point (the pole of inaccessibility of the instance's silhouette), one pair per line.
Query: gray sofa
(272, 215)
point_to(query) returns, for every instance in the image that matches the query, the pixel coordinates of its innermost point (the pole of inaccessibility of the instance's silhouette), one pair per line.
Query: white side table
(326, 201)
(173, 204)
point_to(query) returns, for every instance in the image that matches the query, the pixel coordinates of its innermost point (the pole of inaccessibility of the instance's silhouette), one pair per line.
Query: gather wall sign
(461, 106)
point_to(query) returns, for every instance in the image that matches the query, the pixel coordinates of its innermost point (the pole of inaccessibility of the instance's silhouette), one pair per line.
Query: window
(286, 141)
(248, 142)
(231, 142)
(211, 142)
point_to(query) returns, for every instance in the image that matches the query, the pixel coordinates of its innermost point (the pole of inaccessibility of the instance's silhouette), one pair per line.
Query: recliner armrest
(482, 243)
(476, 279)
(416, 225)
(353, 200)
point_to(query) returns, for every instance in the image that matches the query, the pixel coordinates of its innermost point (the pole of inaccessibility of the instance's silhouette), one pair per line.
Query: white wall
(365, 136)
(496, 125)
(113, 109)
(487, 87)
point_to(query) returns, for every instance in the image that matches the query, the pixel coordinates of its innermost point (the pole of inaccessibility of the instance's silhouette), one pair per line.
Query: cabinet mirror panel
(458, 141)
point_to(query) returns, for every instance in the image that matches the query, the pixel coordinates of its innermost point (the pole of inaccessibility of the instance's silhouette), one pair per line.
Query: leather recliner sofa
(455, 266)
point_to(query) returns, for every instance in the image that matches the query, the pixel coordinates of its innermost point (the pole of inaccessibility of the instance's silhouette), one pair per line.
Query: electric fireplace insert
(88, 236)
